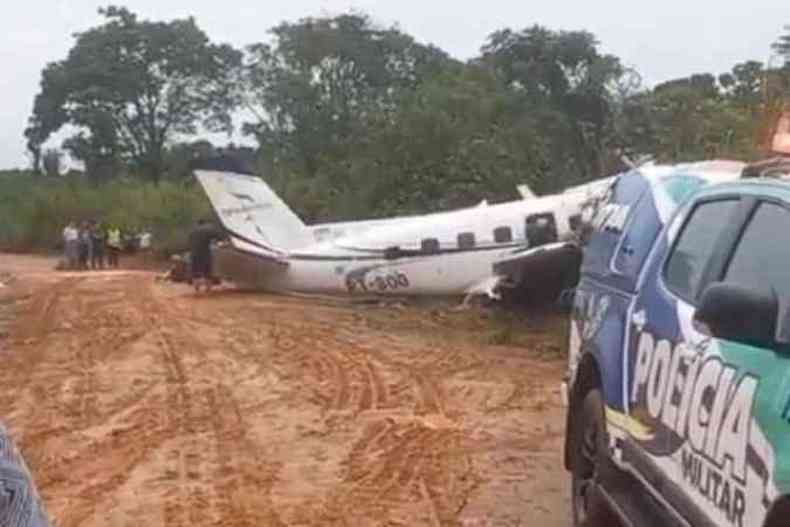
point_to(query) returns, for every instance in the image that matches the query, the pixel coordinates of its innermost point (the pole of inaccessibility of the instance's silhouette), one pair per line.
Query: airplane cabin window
(466, 240)
(430, 246)
(541, 229)
(503, 235)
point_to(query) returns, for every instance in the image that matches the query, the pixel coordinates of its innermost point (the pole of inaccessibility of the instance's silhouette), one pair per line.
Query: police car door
(732, 476)
(668, 376)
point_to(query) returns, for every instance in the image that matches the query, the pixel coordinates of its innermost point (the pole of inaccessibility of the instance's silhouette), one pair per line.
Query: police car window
(694, 247)
(762, 257)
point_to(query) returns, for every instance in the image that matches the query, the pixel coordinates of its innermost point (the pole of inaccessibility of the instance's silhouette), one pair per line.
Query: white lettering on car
(706, 404)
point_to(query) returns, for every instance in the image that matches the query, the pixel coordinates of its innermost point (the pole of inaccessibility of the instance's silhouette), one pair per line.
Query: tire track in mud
(183, 459)
(336, 380)
(28, 357)
(113, 320)
(27, 337)
(396, 466)
(247, 413)
(103, 327)
(89, 337)
(343, 375)
(242, 473)
(393, 465)
(216, 464)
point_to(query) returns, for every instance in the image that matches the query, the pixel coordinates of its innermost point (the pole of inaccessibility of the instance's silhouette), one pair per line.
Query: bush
(34, 209)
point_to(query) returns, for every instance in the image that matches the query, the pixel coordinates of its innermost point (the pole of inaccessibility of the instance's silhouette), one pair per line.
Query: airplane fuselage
(438, 254)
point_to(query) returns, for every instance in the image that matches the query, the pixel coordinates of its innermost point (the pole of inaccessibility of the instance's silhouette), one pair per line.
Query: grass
(34, 210)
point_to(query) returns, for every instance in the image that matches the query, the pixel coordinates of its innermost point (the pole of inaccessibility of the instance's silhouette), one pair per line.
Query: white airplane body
(447, 253)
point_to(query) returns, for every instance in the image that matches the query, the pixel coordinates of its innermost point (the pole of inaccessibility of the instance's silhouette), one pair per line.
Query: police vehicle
(678, 386)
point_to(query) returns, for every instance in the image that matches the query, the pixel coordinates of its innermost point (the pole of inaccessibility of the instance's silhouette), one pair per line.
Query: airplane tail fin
(252, 213)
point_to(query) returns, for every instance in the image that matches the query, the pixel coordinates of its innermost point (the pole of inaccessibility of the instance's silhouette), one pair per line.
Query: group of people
(89, 245)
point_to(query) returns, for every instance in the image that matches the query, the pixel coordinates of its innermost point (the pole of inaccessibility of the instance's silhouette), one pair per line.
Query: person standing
(71, 245)
(200, 254)
(113, 246)
(98, 242)
(144, 244)
(85, 245)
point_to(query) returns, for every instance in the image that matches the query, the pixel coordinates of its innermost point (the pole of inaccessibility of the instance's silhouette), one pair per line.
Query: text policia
(704, 409)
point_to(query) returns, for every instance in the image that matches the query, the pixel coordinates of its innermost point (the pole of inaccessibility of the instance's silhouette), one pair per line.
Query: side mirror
(740, 314)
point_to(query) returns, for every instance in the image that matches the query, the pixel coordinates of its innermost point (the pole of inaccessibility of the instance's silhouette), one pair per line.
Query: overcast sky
(661, 39)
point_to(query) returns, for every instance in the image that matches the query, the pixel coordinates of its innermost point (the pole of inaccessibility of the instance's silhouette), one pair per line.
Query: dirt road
(137, 403)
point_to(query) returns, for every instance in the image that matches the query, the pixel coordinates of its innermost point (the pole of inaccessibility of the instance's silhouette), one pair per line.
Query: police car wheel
(589, 451)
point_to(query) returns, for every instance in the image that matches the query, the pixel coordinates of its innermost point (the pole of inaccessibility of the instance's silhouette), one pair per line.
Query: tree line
(353, 119)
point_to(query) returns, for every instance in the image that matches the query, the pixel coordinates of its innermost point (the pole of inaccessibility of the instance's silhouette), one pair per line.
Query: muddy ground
(137, 403)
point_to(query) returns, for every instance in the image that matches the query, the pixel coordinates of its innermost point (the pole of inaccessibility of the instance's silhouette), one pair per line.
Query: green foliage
(33, 211)
(318, 90)
(703, 117)
(360, 121)
(782, 46)
(353, 120)
(434, 152)
(129, 85)
(51, 161)
(569, 85)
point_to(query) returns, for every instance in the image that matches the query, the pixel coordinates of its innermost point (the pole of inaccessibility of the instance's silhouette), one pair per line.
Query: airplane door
(541, 229)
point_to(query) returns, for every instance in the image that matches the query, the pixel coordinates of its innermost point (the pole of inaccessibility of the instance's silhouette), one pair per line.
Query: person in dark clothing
(98, 242)
(200, 254)
(85, 245)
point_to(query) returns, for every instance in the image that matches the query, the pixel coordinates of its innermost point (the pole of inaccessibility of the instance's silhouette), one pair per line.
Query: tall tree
(313, 88)
(745, 83)
(569, 83)
(698, 117)
(782, 46)
(460, 137)
(133, 84)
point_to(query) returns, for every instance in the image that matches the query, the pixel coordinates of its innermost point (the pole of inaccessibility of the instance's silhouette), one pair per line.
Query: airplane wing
(537, 272)
(549, 268)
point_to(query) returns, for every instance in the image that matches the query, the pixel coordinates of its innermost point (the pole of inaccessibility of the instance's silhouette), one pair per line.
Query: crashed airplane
(531, 243)
(447, 253)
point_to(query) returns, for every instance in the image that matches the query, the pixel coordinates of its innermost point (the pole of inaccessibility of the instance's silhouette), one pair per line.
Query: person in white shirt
(71, 237)
(145, 240)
